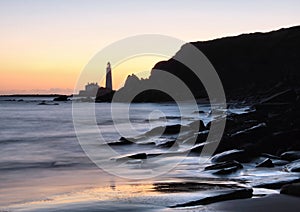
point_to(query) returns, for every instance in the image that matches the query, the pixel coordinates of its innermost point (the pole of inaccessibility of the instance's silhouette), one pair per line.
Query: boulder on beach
(122, 141)
(131, 156)
(235, 154)
(165, 130)
(241, 193)
(167, 143)
(275, 182)
(266, 163)
(279, 141)
(291, 189)
(286, 96)
(197, 126)
(228, 170)
(223, 165)
(290, 155)
(293, 167)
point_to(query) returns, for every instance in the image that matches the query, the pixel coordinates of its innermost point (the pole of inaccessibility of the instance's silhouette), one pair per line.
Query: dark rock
(199, 112)
(282, 140)
(293, 167)
(270, 156)
(169, 117)
(172, 129)
(201, 136)
(222, 165)
(286, 96)
(268, 110)
(138, 156)
(280, 162)
(237, 155)
(242, 193)
(242, 132)
(246, 64)
(61, 98)
(197, 126)
(291, 155)
(250, 134)
(291, 189)
(167, 130)
(123, 158)
(42, 103)
(167, 143)
(122, 141)
(45, 103)
(87, 99)
(228, 170)
(266, 163)
(276, 182)
(104, 95)
(250, 130)
(197, 149)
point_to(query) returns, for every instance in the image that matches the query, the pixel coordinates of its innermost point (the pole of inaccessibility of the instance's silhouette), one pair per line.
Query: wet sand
(272, 203)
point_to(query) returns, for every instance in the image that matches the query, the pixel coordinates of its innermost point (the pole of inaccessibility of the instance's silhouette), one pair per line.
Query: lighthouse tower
(108, 77)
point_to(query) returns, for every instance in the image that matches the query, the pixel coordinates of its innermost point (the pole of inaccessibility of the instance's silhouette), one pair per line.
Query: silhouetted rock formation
(104, 95)
(247, 65)
(61, 98)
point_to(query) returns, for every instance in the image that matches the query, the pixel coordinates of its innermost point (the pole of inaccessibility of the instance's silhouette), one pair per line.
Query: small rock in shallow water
(131, 156)
(291, 189)
(197, 126)
(199, 112)
(167, 143)
(231, 195)
(266, 163)
(280, 162)
(275, 182)
(122, 141)
(288, 95)
(61, 98)
(223, 165)
(293, 167)
(270, 156)
(228, 170)
(291, 155)
(165, 130)
(138, 156)
(238, 155)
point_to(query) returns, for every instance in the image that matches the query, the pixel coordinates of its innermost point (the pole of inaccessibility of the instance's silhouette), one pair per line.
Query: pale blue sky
(188, 20)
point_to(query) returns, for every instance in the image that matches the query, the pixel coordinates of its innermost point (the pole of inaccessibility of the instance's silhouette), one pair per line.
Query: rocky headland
(260, 70)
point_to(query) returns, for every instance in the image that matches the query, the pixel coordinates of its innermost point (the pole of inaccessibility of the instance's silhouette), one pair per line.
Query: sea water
(40, 155)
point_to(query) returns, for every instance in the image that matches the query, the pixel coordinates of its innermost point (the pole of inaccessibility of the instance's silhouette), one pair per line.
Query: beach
(44, 168)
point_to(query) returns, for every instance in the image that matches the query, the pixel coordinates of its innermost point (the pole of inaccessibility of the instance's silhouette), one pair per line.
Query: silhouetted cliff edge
(246, 64)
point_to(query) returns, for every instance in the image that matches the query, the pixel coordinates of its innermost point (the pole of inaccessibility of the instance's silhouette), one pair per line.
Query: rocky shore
(260, 150)
(256, 165)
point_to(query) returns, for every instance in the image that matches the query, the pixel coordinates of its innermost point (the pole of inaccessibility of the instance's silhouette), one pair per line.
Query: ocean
(42, 164)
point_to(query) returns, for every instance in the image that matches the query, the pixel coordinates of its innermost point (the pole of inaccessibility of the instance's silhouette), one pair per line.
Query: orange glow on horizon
(48, 78)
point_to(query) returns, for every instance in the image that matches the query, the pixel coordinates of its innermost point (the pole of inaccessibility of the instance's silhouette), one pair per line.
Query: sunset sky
(46, 44)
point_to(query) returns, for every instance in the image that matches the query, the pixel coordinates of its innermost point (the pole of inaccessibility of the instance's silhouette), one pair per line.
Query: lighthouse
(108, 84)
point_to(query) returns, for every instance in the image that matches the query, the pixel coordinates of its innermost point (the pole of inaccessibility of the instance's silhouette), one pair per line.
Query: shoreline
(272, 202)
